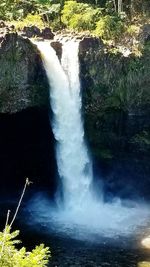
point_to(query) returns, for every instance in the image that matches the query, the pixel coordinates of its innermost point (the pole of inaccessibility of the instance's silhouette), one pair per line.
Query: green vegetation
(80, 16)
(116, 99)
(34, 20)
(11, 256)
(109, 27)
(108, 19)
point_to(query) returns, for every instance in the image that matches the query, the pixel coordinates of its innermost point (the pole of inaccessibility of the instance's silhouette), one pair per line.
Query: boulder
(58, 48)
(47, 33)
(31, 31)
(144, 35)
(90, 42)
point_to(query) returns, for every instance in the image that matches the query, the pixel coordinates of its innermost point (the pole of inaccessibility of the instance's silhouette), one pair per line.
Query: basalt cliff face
(116, 108)
(26, 138)
(116, 111)
(23, 83)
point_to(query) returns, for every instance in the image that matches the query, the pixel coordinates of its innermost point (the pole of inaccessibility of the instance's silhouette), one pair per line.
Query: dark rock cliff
(26, 138)
(116, 110)
(23, 82)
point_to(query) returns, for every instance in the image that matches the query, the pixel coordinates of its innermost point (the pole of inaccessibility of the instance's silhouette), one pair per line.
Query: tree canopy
(107, 19)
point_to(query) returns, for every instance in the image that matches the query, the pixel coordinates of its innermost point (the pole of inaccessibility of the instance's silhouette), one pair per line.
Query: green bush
(109, 27)
(30, 20)
(80, 16)
(17, 9)
(11, 256)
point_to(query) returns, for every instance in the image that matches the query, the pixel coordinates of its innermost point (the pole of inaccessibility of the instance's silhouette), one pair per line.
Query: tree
(80, 16)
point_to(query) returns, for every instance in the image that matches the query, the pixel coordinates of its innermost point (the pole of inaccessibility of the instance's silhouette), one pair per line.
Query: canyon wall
(116, 108)
(26, 138)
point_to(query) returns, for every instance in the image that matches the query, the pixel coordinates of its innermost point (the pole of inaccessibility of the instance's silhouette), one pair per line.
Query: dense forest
(111, 20)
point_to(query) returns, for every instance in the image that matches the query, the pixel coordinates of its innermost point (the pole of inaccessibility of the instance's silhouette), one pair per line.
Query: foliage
(80, 16)
(11, 256)
(30, 20)
(53, 11)
(125, 79)
(17, 9)
(99, 17)
(52, 15)
(133, 29)
(109, 27)
(8, 10)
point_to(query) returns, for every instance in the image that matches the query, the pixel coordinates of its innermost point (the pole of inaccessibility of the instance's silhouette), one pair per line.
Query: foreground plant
(13, 256)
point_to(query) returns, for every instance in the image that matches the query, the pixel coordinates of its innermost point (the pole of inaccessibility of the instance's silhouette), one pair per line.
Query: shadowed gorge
(27, 150)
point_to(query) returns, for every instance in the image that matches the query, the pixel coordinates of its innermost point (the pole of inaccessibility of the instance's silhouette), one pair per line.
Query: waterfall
(79, 213)
(73, 162)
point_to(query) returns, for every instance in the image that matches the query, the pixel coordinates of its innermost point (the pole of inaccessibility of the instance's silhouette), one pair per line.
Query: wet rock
(90, 42)
(58, 48)
(47, 33)
(145, 33)
(31, 31)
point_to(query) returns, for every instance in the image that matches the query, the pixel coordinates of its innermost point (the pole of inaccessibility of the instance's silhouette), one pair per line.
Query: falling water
(73, 162)
(80, 212)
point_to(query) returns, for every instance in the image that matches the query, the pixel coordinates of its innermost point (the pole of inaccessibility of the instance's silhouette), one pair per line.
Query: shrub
(17, 9)
(30, 20)
(133, 29)
(10, 256)
(80, 16)
(109, 27)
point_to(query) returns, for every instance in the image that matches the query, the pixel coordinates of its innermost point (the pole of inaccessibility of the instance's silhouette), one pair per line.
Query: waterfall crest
(73, 162)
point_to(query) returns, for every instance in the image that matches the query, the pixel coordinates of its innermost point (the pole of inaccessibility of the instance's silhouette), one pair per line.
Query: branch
(19, 203)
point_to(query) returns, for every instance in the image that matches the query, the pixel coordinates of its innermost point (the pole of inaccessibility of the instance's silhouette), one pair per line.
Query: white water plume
(80, 210)
(73, 162)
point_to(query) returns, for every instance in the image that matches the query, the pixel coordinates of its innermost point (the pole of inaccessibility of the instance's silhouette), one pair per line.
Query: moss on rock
(23, 82)
(116, 99)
